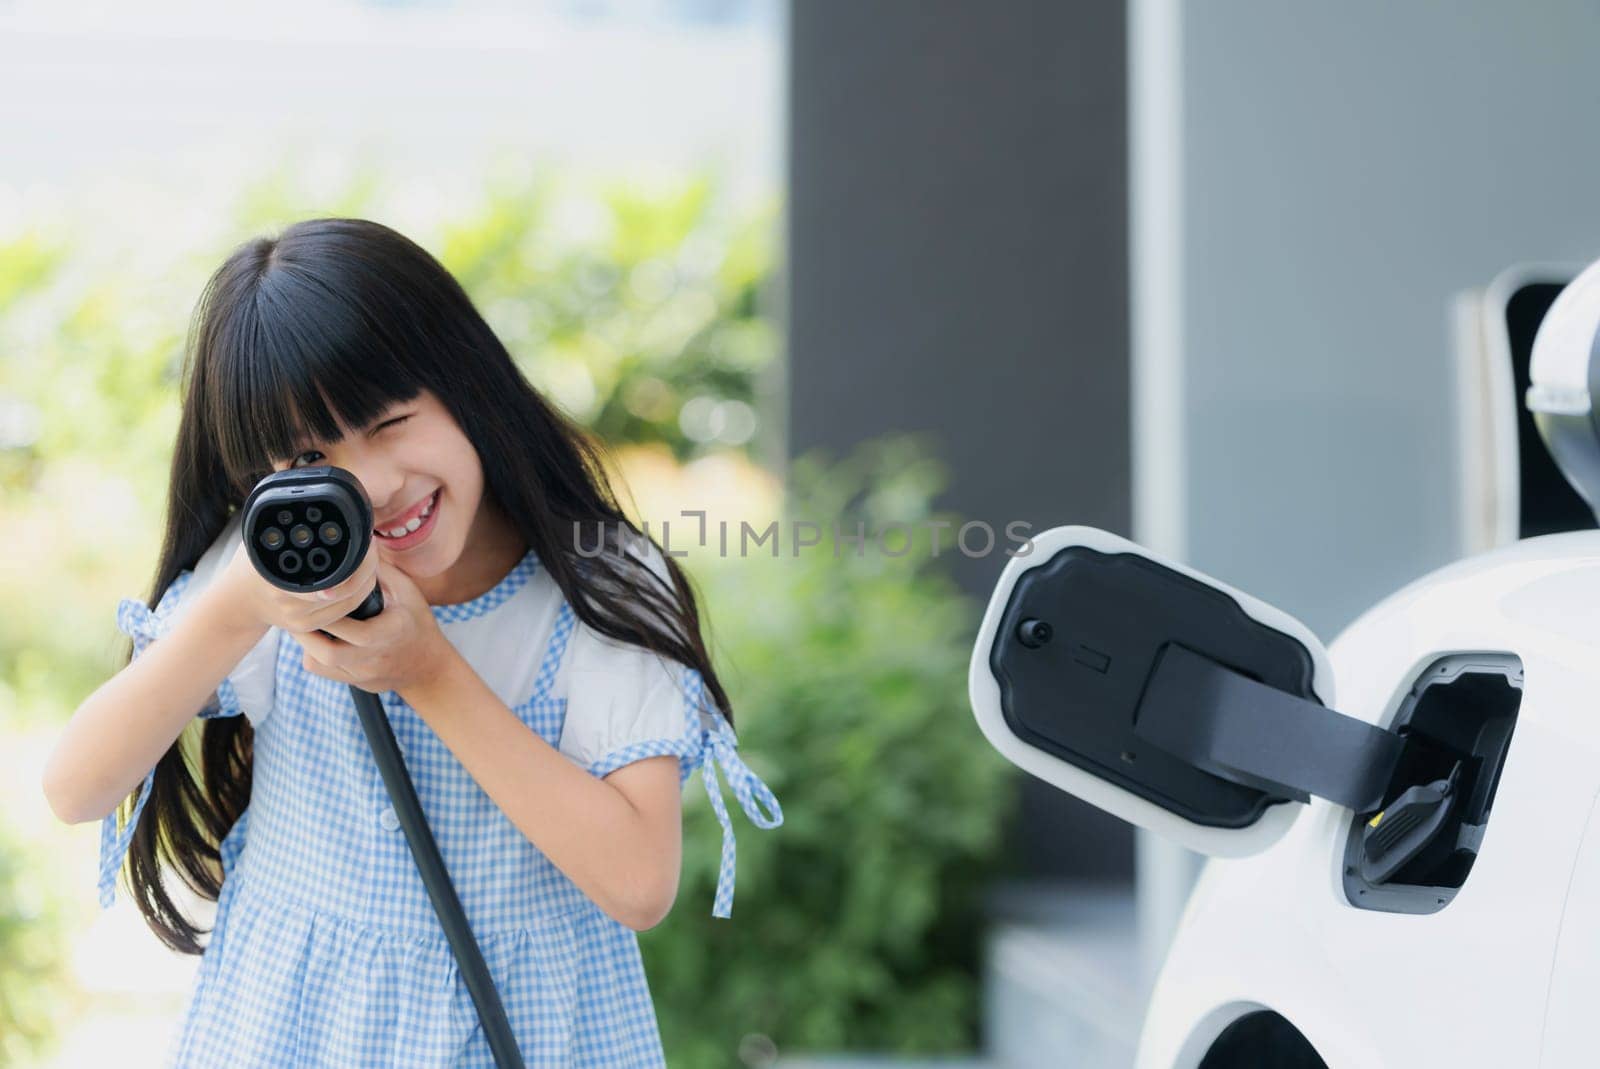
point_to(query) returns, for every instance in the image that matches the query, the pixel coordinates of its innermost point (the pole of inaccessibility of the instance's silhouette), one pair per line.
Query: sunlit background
(602, 177)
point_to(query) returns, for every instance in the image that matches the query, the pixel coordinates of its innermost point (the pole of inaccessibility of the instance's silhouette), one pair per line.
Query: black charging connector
(1399, 831)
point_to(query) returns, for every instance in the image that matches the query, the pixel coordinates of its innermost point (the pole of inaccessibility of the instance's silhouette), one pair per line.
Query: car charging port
(1414, 852)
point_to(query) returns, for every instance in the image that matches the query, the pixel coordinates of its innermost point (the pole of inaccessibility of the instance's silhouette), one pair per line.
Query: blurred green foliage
(856, 923)
(643, 308)
(636, 304)
(32, 952)
(32, 928)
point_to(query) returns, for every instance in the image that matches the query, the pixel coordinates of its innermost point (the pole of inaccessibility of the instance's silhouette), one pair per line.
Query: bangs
(293, 364)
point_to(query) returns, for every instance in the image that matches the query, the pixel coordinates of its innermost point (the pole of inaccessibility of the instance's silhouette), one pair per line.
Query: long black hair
(349, 312)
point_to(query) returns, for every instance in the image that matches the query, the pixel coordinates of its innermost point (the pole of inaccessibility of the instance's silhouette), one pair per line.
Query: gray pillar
(957, 242)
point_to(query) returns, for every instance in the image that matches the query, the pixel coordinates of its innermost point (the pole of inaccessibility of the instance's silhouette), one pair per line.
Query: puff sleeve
(625, 703)
(247, 690)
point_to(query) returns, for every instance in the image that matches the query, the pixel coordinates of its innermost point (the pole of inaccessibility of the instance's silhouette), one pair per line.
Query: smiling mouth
(412, 525)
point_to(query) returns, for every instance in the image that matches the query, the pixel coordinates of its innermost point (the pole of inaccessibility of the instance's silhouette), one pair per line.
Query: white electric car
(1404, 828)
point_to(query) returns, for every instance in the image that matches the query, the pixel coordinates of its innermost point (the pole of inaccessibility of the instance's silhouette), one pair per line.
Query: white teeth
(415, 522)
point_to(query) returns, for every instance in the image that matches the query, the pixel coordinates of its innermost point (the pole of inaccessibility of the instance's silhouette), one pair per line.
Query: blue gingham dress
(326, 950)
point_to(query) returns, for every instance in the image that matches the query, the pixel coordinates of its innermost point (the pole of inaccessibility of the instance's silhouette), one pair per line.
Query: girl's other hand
(400, 647)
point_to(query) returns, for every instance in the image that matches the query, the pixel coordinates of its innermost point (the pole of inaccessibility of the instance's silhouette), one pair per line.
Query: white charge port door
(1165, 697)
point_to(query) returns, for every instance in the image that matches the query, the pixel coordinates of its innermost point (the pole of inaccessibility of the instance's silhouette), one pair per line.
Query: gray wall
(957, 263)
(1346, 168)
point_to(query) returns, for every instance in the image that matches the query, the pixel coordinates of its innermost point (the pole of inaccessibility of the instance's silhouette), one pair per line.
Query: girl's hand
(399, 647)
(255, 600)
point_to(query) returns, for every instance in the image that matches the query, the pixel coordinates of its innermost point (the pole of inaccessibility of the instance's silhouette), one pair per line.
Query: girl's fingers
(358, 586)
(313, 610)
(317, 646)
(349, 593)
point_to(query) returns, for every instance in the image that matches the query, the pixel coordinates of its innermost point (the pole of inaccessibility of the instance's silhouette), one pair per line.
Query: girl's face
(422, 473)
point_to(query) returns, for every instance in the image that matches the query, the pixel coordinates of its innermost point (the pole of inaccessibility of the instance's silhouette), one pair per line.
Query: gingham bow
(114, 843)
(136, 620)
(753, 795)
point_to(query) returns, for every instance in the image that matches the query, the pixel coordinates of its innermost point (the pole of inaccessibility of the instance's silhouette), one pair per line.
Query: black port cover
(1073, 688)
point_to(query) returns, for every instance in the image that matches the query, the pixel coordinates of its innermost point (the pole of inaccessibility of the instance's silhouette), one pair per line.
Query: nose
(383, 484)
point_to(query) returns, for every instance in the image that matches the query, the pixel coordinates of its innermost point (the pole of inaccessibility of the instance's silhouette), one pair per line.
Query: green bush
(855, 925)
(642, 308)
(32, 949)
(637, 305)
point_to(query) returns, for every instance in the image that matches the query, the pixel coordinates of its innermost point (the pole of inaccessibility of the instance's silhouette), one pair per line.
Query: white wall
(1343, 170)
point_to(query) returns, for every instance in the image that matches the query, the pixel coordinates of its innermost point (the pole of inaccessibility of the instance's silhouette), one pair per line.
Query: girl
(548, 687)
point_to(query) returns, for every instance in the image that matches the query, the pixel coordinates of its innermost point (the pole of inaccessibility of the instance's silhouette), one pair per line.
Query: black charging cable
(308, 529)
